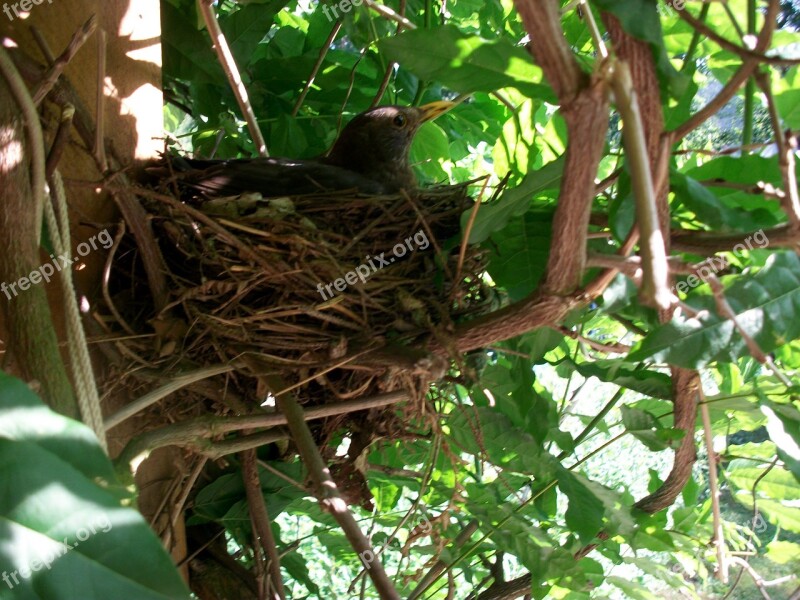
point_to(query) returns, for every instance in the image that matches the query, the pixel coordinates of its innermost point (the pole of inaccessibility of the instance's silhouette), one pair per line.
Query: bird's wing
(269, 176)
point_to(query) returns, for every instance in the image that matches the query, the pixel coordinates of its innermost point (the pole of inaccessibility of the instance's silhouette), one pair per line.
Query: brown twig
(713, 484)
(112, 252)
(317, 65)
(228, 63)
(262, 529)
(742, 52)
(762, 188)
(192, 433)
(57, 67)
(727, 312)
(329, 497)
(60, 140)
(615, 348)
(387, 75)
(787, 146)
(710, 242)
(738, 79)
(655, 286)
(99, 132)
(388, 13)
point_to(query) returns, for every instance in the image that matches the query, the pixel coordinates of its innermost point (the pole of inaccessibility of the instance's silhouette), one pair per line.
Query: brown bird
(370, 155)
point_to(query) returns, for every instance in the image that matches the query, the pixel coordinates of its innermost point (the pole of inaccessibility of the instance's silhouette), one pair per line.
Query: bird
(369, 156)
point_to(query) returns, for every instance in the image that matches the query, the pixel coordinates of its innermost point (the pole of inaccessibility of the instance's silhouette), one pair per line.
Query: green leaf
(187, 53)
(65, 532)
(520, 254)
(297, 567)
(479, 430)
(585, 510)
(788, 101)
(430, 146)
(648, 430)
(783, 426)
(632, 590)
(465, 63)
(513, 202)
(708, 208)
(590, 504)
(216, 500)
(767, 307)
(775, 483)
(783, 553)
(624, 374)
(246, 27)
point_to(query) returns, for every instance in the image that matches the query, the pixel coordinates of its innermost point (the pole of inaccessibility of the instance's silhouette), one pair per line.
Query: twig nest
(314, 285)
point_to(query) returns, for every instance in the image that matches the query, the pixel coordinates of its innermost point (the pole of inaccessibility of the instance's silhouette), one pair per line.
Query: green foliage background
(522, 449)
(543, 441)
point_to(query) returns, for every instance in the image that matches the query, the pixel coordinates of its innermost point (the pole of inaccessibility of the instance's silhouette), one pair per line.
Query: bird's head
(376, 142)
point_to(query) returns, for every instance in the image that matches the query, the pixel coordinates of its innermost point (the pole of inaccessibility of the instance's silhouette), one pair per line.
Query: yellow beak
(434, 109)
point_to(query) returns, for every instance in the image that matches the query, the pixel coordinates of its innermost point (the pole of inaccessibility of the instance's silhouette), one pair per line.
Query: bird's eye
(400, 121)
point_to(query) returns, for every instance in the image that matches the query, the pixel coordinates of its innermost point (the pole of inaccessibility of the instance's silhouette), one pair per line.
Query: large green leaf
(709, 209)
(624, 374)
(484, 431)
(465, 63)
(767, 307)
(187, 53)
(65, 534)
(247, 26)
(783, 426)
(646, 428)
(521, 250)
(513, 202)
(593, 507)
(216, 500)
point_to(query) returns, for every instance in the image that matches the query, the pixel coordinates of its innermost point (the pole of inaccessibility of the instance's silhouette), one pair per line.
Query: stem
(719, 536)
(688, 59)
(750, 88)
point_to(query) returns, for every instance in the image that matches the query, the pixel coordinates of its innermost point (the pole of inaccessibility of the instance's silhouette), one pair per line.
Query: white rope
(80, 362)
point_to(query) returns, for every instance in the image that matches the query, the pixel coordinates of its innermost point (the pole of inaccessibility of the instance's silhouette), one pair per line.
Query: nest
(311, 287)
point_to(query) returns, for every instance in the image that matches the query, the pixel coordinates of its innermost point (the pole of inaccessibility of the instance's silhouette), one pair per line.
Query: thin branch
(757, 579)
(655, 281)
(727, 312)
(327, 492)
(78, 39)
(99, 132)
(710, 242)
(388, 13)
(787, 146)
(762, 188)
(737, 80)
(262, 529)
(599, 346)
(745, 53)
(440, 565)
(193, 433)
(60, 140)
(112, 252)
(713, 484)
(175, 384)
(228, 63)
(387, 75)
(317, 65)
